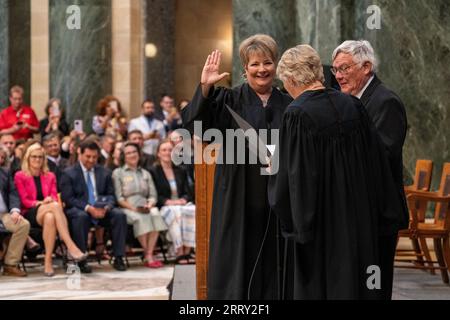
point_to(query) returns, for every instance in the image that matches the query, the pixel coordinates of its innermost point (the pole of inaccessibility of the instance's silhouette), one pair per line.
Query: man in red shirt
(18, 119)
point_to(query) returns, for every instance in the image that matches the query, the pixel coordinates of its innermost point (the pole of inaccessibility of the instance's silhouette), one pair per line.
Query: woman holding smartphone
(54, 120)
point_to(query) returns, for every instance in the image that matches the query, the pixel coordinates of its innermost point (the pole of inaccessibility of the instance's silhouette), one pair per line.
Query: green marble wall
(413, 46)
(4, 55)
(15, 48)
(80, 59)
(319, 24)
(272, 17)
(160, 30)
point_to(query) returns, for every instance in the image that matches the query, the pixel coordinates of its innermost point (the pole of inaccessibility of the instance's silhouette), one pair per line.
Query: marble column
(273, 17)
(128, 54)
(319, 25)
(40, 58)
(20, 46)
(4, 54)
(413, 46)
(160, 30)
(80, 58)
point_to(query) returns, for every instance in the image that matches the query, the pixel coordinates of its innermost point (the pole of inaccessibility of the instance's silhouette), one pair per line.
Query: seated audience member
(73, 138)
(147, 160)
(110, 119)
(174, 201)
(56, 163)
(14, 223)
(19, 150)
(88, 192)
(136, 195)
(152, 129)
(107, 142)
(173, 119)
(13, 152)
(4, 157)
(32, 247)
(165, 105)
(54, 120)
(114, 161)
(37, 190)
(18, 119)
(182, 150)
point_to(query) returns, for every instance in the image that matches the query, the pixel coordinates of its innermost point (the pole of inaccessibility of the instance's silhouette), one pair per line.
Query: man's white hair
(361, 51)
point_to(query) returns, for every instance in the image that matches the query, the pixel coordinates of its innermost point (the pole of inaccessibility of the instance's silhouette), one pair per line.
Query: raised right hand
(210, 73)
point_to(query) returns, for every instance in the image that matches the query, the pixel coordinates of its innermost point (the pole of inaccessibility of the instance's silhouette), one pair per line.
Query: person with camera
(18, 119)
(110, 118)
(54, 120)
(136, 195)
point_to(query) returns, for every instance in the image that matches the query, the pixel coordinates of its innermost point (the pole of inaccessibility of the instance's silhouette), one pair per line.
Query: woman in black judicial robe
(332, 185)
(240, 212)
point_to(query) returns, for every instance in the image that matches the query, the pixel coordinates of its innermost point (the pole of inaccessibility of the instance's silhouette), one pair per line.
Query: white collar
(360, 94)
(105, 154)
(55, 160)
(86, 170)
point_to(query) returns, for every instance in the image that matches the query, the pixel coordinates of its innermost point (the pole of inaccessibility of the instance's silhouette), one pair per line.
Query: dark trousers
(80, 223)
(387, 246)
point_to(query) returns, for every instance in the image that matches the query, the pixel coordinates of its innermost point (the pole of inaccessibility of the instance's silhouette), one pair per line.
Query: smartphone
(55, 109)
(78, 126)
(19, 123)
(143, 210)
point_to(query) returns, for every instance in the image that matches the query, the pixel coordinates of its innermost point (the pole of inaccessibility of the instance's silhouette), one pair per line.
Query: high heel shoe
(49, 274)
(101, 253)
(77, 259)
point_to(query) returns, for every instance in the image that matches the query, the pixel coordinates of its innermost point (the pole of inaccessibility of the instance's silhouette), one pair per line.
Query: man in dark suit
(56, 163)
(88, 192)
(9, 142)
(13, 222)
(107, 143)
(354, 66)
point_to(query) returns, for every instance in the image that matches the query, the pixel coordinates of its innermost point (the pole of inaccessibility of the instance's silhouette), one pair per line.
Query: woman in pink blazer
(37, 190)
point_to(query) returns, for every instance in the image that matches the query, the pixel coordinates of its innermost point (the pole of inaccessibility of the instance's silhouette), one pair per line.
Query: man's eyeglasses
(343, 70)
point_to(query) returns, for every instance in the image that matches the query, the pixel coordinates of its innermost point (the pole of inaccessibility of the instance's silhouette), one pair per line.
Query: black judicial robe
(240, 210)
(333, 187)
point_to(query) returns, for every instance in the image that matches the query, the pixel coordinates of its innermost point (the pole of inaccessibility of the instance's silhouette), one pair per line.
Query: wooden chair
(422, 177)
(438, 229)
(422, 182)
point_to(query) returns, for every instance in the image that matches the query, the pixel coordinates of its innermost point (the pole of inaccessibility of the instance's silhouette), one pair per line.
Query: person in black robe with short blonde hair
(332, 187)
(240, 212)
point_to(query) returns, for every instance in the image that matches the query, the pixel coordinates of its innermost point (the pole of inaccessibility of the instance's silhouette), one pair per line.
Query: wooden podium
(204, 186)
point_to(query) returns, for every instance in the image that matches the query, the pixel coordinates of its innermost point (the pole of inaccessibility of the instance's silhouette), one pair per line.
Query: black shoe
(34, 250)
(84, 267)
(119, 264)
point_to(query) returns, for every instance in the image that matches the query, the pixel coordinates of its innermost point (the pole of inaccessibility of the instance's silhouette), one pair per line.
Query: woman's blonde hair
(26, 159)
(259, 43)
(301, 65)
